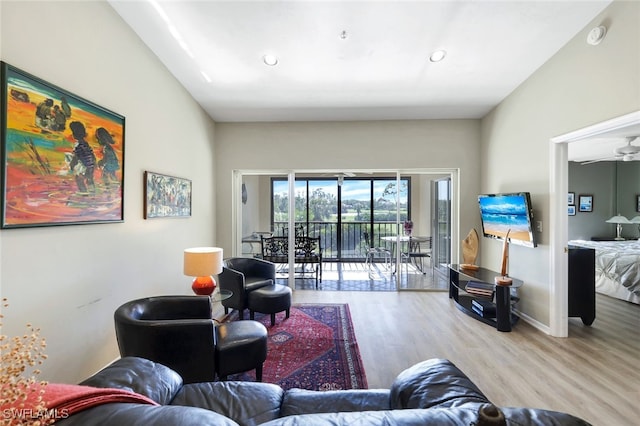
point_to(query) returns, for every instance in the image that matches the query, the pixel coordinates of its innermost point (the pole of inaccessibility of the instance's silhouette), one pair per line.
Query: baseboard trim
(533, 322)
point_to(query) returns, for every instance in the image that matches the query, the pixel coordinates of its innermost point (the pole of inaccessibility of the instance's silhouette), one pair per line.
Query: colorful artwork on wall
(166, 196)
(62, 156)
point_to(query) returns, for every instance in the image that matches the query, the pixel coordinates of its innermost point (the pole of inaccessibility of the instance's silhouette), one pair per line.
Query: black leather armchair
(176, 331)
(242, 275)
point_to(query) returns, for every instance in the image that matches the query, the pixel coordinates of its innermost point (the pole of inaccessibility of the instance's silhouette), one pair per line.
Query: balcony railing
(349, 243)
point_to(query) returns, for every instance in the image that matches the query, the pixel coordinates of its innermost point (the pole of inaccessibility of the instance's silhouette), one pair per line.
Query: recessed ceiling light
(438, 55)
(270, 60)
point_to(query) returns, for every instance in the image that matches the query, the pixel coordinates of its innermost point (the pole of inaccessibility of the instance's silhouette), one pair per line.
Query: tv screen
(500, 213)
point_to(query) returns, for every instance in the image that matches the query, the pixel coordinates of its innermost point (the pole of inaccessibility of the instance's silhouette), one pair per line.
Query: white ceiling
(602, 147)
(379, 71)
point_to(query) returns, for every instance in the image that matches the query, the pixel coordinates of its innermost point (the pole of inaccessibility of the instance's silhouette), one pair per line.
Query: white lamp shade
(202, 261)
(635, 219)
(618, 219)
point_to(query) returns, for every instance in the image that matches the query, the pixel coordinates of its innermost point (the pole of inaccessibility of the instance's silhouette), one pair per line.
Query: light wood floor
(594, 373)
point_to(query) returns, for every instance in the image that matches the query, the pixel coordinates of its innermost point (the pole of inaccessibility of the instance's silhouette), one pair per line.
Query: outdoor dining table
(402, 241)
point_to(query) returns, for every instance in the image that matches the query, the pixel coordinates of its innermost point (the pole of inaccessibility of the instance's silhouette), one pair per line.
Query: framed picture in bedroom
(571, 210)
(166, 196)
(571, 198)
(62, 155)
(585, 203)
(638, 203)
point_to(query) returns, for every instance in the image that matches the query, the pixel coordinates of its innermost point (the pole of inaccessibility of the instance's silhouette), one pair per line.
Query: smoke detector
(596, 35)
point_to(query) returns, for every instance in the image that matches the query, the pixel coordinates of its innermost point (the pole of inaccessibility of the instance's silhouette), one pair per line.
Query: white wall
(68, 280)
(580, 86)
(346, 146)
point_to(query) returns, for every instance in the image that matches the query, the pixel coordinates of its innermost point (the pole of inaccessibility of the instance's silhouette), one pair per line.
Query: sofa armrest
(435, 383)
(140, 376)
(263, 269)
(532, 416)
(168, 307)
(300, 401)
(230, 279)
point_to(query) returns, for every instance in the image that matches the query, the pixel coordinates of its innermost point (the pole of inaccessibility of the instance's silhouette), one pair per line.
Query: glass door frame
(441, 241)
(334, 243)
(236, 205)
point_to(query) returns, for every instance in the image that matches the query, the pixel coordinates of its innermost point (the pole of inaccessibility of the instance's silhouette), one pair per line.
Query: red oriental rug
(315, 348)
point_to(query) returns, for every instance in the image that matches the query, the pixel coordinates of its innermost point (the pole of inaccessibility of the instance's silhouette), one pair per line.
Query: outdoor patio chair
(373, 252)
(419, 250)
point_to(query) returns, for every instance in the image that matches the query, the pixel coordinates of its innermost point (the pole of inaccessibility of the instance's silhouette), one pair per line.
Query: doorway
(559, 187)
(254, 211)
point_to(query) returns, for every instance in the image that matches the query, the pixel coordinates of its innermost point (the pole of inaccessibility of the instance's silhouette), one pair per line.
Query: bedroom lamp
(636, 220)
(618, 220)
(202, 263)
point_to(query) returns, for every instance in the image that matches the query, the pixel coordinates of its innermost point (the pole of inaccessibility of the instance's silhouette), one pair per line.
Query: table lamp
(202, 263)
(618, 220)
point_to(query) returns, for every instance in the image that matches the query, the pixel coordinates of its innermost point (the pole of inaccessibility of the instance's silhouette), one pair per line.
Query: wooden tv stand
(458, 279)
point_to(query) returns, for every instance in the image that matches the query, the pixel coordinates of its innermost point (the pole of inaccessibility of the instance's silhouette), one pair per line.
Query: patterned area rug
(315, 348)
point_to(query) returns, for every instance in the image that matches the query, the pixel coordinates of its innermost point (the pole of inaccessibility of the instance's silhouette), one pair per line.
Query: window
(339, 210)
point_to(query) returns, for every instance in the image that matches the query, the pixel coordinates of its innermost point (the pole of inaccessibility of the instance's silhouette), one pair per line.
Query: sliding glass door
(340, 210)
(441, 219)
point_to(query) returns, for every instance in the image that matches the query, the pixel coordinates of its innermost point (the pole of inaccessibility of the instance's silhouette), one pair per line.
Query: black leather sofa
(434, 392)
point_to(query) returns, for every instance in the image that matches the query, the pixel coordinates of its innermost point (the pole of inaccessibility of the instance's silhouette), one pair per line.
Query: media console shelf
(458, 280)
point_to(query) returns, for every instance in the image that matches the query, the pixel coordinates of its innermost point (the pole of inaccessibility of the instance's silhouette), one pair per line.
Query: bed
(617, 267)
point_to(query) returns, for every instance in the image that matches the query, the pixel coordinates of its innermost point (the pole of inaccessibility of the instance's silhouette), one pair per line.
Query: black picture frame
(62, 155)
(571, 198)
(585, 203)
(571, 210)
(166, 196)
(638, 203)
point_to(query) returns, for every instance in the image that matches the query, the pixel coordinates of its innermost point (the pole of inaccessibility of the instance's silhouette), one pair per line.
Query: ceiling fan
(627, 152)
(342, 175)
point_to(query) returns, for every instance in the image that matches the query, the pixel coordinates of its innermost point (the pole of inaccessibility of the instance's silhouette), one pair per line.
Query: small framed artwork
(571, 210)
(638, 203)
(62, 155)
(571, 198)
(166, 196)
(585, 203)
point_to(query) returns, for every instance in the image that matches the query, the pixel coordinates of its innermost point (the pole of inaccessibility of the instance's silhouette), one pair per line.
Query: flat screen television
(500, 213)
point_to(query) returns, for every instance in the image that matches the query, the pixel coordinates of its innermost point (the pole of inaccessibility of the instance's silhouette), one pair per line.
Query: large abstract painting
(62, 156)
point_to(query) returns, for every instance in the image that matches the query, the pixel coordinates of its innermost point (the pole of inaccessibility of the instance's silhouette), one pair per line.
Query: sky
(351, 189)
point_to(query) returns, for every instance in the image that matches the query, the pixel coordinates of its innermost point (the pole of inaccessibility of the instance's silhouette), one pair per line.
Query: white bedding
(617, 267)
